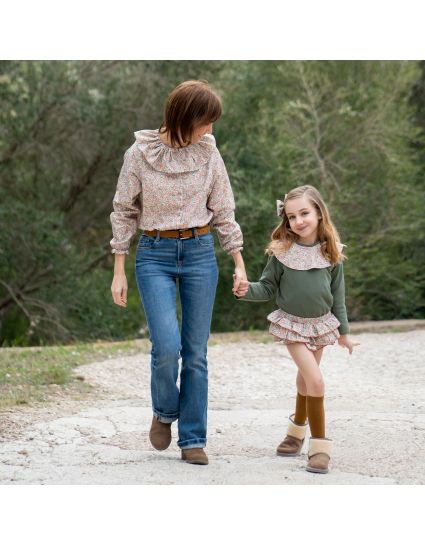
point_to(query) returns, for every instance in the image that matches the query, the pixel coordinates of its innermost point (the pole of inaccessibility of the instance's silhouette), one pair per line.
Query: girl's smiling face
(303, 218)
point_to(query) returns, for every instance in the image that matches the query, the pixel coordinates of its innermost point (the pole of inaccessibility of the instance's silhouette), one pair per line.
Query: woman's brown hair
(189, 105)
(283, 236)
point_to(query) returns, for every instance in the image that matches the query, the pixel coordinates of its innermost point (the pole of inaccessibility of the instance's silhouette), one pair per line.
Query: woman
(174, 186)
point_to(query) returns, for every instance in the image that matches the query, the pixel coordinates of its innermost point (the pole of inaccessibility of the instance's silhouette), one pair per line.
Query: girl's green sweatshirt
(305, 293)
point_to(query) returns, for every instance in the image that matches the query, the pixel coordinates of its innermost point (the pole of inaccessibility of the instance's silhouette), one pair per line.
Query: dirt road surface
(375, 407)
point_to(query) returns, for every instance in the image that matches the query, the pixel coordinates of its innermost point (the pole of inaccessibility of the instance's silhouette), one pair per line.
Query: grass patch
(34, 373)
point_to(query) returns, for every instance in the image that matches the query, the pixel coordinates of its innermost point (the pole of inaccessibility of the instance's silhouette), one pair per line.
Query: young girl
(305, 273)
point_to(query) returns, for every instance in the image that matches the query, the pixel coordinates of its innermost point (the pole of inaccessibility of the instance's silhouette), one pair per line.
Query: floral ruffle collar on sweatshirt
(302, 257)
(163, 158)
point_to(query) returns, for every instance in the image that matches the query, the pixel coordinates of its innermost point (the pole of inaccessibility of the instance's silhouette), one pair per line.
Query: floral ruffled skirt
(315, 333)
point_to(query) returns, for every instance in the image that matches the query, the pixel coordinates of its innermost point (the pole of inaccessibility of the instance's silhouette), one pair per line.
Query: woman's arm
(119, 286)
(127, 205)
(221, 203)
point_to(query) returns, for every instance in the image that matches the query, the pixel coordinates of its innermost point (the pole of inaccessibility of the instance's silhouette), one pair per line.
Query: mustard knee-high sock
(300, 410)
(316, 416)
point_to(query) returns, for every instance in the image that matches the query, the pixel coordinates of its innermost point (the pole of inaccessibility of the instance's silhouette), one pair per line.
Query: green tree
(353, 129)
(344, 127)
(64, 128)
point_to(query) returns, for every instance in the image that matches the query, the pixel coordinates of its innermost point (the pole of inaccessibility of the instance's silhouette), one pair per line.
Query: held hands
(238, 276)
(242, 289)
(346, 342)
(119, 289)
(240, 283)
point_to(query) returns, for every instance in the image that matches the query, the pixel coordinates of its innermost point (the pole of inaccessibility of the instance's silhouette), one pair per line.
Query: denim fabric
(163, 266)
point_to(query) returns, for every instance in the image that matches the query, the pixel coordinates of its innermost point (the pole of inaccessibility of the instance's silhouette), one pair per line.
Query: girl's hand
(238, 277)
(242, 289)
(346, 342)
(119, 289)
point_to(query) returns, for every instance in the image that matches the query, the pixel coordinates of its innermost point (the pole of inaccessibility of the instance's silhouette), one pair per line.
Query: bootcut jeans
(164, 265)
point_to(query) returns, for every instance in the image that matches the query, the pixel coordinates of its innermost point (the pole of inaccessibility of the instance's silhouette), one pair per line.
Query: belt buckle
(181, 232)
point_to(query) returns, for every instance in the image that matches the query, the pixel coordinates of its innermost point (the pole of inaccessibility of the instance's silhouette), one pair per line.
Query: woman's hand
(119, 289)
(346, 342)
(242, 289)
(238, 276)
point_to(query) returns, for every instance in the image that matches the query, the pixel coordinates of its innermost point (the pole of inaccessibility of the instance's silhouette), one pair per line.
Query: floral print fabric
(160, 187)
(313, 332)
(304, 258)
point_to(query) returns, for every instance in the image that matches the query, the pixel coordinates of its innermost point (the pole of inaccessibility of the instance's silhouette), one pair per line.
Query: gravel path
(375, 415)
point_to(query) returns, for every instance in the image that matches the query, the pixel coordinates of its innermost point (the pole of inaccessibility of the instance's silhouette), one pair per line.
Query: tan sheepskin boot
(293, 442)
(319, 454)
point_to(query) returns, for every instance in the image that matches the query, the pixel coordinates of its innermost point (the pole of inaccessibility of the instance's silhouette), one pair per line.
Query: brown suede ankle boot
(319, 454)
(160, 434)
(293, 442)
(195, 456)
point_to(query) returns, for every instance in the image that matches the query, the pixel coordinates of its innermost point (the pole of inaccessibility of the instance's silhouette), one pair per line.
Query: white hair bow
(280, 206)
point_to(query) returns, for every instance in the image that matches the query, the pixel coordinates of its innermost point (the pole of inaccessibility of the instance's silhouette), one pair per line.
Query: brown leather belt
(180, 233)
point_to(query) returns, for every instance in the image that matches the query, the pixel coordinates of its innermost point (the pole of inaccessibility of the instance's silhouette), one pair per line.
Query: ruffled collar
(166, 159)
(303, 257)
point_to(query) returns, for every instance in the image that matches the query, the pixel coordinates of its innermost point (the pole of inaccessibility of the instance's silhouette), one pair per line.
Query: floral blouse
(160, 187)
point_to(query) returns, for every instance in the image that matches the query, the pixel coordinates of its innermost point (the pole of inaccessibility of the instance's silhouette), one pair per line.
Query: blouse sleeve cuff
(120, 252)
(234, 250)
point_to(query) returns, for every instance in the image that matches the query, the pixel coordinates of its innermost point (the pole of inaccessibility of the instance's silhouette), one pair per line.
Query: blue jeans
(162, 264)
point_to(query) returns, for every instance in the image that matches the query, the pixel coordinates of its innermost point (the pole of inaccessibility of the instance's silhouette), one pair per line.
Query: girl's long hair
(283, 236)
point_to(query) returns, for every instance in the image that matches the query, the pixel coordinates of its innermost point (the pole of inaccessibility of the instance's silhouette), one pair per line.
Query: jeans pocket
(145, 243)
(206, 240)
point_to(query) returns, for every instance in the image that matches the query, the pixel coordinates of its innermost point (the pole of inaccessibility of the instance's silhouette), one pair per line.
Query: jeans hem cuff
(192, 444)
(165, 419)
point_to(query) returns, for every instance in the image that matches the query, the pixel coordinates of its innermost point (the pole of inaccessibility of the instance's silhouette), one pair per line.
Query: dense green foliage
(353, 129)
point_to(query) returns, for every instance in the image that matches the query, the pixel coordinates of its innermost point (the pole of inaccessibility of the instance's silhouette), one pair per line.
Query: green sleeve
(338, 293)
(266, 288)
